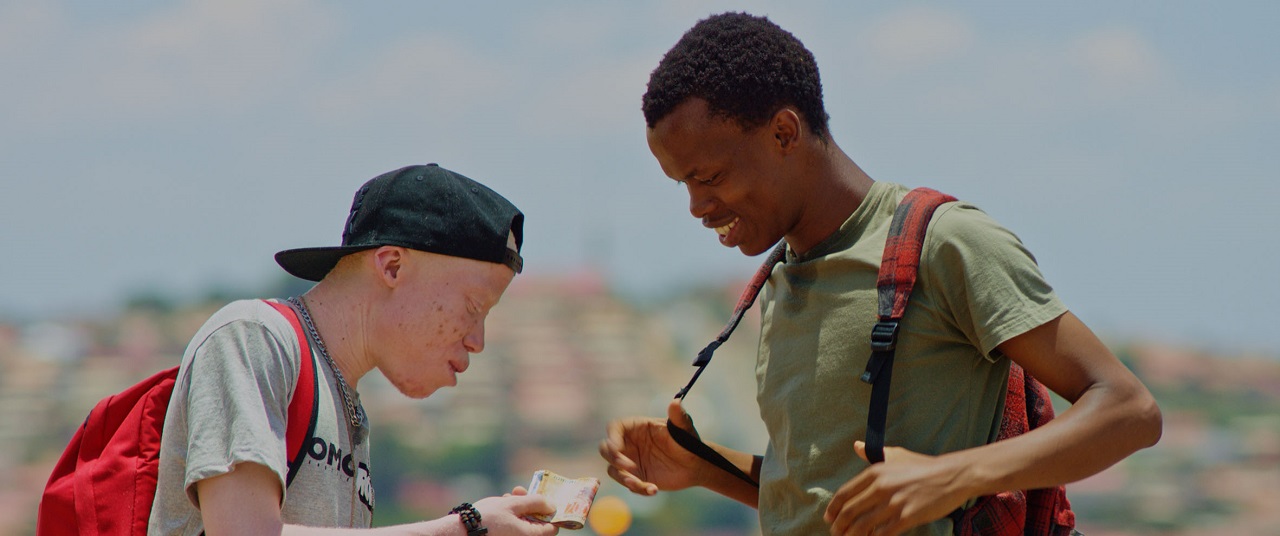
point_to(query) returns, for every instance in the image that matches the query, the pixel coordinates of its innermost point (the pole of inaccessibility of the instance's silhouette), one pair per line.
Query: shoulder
(249, 314)
(961, 228)
(252, 311)
(247, 323)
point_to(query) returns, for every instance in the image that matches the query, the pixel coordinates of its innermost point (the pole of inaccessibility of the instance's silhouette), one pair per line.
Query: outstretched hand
(644, 458)
(907, 490)
(509, 514)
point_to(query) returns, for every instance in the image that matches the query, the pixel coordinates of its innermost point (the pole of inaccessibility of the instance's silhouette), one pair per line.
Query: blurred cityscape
(565, 355)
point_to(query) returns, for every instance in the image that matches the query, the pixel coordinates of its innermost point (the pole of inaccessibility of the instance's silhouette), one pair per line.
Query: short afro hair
(745, 67)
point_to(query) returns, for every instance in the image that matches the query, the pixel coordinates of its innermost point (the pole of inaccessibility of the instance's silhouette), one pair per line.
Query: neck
(338, 323)
(837, 187)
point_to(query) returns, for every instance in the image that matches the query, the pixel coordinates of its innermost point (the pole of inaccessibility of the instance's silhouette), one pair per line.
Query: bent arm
(1112, 414)
(246, 501)
(644, 458)
(720, 481)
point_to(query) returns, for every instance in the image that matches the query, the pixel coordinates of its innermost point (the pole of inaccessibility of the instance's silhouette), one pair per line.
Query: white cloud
(947, 72)
(427, 77)
(1115, 61)
(22, 26)
(188, 59)
(229, 51)
(917, 37)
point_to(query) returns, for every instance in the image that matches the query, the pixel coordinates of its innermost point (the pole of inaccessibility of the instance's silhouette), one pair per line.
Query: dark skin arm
(643, 457)
(1112, 415)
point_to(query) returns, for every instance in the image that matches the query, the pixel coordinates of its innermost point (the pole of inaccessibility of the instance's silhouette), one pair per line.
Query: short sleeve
(987, 278)
(239, 383)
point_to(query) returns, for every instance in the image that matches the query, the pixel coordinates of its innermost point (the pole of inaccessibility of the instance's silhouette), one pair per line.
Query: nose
(474, 341)
(701, 202)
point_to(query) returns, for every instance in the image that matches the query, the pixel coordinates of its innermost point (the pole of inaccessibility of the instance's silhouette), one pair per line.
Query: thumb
(860, 447)
(679, 417)
(536, 504)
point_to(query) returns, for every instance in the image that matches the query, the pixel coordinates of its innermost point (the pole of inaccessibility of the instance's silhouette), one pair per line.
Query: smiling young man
(425, 254)
(735, 114)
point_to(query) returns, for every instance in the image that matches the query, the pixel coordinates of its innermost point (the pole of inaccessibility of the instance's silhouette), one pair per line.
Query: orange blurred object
(609, 516)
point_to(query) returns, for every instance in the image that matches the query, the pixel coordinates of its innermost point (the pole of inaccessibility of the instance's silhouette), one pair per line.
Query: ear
(786, 127)
(387, 262)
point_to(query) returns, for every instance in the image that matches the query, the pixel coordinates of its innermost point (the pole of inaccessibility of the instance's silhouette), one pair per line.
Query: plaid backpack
(1040, 512)
(105, 481)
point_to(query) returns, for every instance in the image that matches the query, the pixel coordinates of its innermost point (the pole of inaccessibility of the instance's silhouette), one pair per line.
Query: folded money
(572, 497)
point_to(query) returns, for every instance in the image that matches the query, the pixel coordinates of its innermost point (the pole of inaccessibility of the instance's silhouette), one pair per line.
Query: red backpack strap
(301, 417)
(1027, 405)
(899, 267)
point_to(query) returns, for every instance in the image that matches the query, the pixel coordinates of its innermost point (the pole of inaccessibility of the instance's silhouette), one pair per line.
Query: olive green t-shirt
(977, 288)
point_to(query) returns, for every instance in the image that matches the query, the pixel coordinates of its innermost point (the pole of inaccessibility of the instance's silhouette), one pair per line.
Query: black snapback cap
(427, 208)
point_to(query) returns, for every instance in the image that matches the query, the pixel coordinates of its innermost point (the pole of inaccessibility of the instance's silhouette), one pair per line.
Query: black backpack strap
(898, 269)
(689, 439)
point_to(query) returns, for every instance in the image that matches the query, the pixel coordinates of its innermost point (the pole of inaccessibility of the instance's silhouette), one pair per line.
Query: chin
(417, 392)
(753, 250)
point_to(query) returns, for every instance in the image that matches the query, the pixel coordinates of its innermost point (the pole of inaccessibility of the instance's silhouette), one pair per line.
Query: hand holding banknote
(571, 497)
(514, 513)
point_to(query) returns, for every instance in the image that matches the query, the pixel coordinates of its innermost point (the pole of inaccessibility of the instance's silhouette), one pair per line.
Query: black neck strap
(688, 439)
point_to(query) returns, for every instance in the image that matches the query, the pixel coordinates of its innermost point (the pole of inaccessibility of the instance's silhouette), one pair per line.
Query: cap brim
(313, 264)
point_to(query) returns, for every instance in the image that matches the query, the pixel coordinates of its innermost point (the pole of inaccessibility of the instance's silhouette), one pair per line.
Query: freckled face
(435, 319)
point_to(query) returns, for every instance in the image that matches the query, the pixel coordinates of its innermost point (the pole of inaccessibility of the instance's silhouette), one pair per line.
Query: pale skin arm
(1112, 415)
(246, 501)
(643, 457)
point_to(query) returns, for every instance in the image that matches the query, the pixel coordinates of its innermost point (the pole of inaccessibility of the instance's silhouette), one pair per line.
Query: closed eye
(711, 181)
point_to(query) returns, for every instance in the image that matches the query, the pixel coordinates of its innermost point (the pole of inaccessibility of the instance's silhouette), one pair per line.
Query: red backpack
(105, 481)
(1040, 512)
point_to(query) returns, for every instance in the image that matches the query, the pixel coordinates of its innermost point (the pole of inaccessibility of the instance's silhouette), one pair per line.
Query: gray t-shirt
(229, 406)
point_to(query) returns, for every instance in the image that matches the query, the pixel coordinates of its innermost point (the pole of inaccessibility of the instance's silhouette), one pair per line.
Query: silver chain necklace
(355, 413)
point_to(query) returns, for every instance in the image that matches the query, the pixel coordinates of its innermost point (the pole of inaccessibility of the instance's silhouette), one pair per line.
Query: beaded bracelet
(470, 519)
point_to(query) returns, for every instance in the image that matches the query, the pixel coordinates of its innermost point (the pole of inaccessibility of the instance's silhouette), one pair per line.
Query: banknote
(571, 496)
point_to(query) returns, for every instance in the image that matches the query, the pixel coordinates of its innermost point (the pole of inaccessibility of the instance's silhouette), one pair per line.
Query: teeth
(725, 229)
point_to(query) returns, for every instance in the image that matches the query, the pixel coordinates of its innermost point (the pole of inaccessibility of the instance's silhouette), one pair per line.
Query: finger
(518, 490)
(848, 492)
(614, 456)
(680, 417)
(616, 442)
(860, 447)
(531, 504)
(895, 528)
(612, 441)
(538, 526)
(633, 483)
(616, 432)
(871, 521)
(874, 522)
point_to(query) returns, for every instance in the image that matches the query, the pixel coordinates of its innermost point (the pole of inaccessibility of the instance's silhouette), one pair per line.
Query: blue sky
(177, 145)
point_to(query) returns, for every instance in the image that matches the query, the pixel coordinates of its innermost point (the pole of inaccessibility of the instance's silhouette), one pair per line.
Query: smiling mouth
(724, 229)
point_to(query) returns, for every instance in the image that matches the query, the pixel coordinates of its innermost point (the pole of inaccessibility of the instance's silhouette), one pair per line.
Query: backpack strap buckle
(884, 339)
(884, 336)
